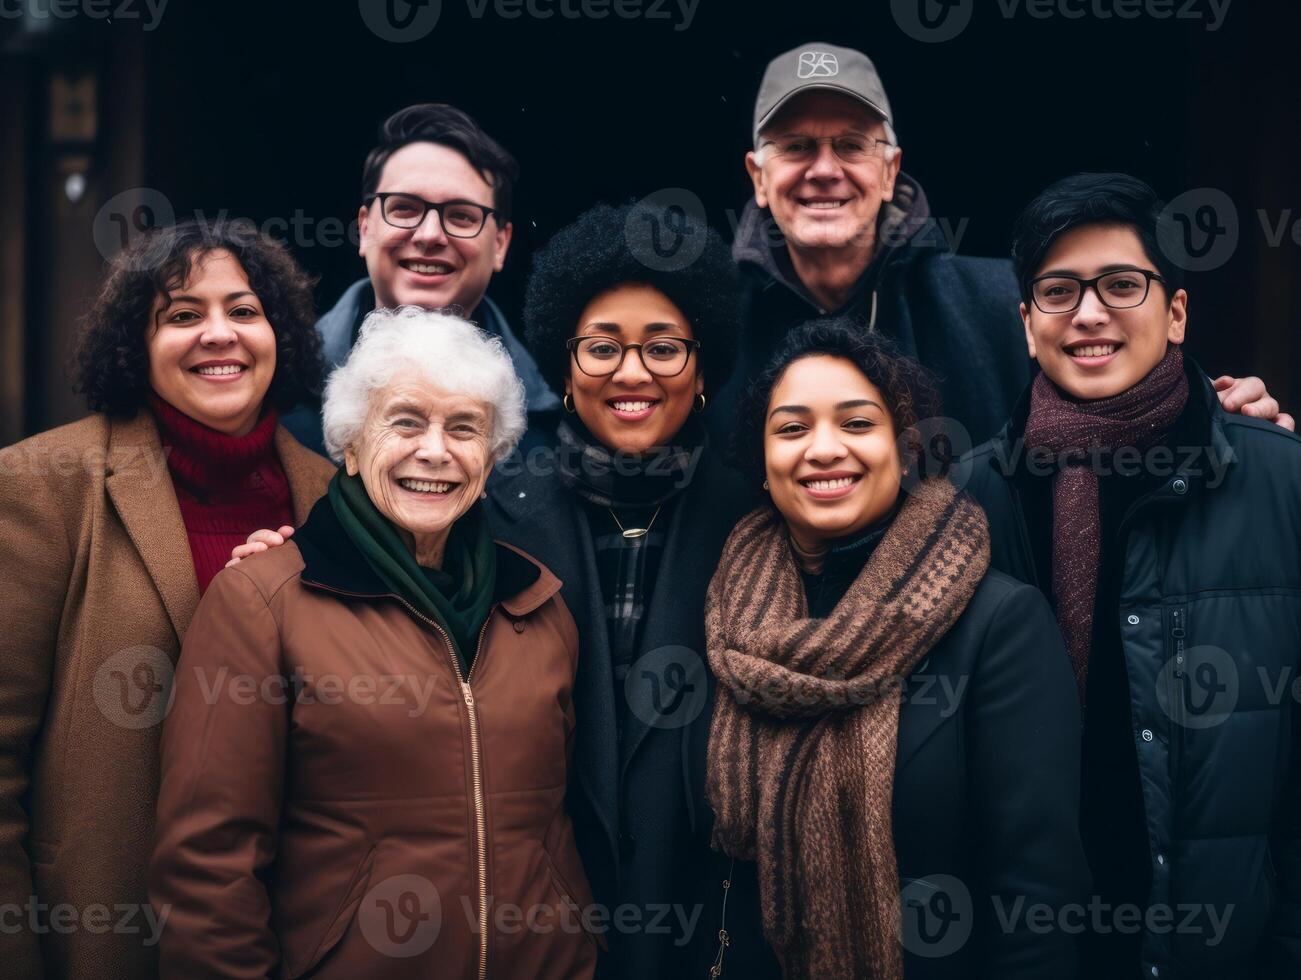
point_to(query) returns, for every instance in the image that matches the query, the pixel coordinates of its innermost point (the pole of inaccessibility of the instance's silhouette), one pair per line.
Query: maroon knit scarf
(1077, 433)
(806, 723)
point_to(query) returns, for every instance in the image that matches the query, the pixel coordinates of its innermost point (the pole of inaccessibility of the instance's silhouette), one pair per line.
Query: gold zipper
(476, 772)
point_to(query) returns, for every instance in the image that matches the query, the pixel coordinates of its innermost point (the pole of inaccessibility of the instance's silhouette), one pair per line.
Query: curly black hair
(110, 365)
(613, 246)
(909, 390)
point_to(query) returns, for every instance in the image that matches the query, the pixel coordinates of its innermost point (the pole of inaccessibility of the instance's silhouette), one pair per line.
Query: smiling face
(212, 352)
(825, 203)
(1095, 351)
(830, 455)
(424, 457)
(632, 410)
(424, 266)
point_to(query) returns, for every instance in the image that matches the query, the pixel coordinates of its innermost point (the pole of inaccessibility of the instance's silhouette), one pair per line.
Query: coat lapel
(140, 486)
(541, 517)
(308, 474)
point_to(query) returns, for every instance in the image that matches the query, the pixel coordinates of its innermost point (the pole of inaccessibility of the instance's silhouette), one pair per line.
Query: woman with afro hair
(113, 527)
(633, 313)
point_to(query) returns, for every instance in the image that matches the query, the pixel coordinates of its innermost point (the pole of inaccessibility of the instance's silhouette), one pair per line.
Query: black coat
(638, 819)
(956, 314)
(985, 801)
(1210, 625)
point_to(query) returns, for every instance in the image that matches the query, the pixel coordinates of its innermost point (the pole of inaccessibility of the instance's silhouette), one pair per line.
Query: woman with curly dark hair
(113, 527)
(630, 508)
(893, 753)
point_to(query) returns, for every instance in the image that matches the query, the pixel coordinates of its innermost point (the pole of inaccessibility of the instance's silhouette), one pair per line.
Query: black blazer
(636, 797)
(986, 792)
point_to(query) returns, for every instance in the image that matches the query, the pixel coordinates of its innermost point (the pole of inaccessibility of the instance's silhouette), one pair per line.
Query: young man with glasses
(1167, 535)
(435, 225)
(837, 229)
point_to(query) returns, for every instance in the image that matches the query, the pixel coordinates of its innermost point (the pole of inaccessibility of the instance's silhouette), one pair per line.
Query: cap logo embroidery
(818, 64)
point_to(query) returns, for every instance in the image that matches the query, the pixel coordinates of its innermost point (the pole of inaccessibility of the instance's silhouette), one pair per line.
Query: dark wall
(267, 109)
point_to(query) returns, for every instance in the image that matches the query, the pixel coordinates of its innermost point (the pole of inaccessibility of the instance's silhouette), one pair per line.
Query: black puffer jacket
(1210, 625)
(956, 314)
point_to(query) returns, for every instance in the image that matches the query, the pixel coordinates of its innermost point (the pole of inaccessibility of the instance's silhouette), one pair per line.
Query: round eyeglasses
(1120, 290)
(850, 148)
(598, 357)
(460, 219)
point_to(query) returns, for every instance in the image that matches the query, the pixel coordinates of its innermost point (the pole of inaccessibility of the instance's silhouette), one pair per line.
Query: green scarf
(458, 597)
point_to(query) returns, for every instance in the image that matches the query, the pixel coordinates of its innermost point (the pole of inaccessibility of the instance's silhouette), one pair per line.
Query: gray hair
(448, 352)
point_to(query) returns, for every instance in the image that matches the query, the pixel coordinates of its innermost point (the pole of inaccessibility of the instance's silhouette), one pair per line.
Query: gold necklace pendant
(635, 532)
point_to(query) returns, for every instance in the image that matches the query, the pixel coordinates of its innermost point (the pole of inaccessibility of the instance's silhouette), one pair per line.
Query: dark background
(267, 110)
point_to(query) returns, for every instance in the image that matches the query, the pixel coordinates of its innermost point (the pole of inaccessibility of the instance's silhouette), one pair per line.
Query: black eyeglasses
(598, 357)
(1120, 290)
(460, 219)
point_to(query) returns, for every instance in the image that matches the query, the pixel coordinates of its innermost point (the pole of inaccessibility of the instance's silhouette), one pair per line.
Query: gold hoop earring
(568, 402)
(700, 406)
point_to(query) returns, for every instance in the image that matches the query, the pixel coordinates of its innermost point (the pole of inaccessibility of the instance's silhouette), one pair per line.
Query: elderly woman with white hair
(364, 769)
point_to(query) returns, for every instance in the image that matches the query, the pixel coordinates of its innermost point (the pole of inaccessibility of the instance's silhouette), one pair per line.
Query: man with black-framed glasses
(1166, 533)
(434, 222)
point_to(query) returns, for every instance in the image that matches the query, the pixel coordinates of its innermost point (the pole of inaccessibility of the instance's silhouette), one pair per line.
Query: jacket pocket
(343, 917)
(566, 894)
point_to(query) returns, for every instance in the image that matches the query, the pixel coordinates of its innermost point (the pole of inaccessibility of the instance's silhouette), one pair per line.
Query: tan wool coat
(97, 588)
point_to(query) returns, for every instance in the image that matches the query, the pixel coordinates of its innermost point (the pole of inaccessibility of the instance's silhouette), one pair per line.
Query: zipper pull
(469, 695)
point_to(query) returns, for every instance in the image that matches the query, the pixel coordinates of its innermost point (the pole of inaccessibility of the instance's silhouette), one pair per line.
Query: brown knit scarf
(1079, 432)
(802, 743)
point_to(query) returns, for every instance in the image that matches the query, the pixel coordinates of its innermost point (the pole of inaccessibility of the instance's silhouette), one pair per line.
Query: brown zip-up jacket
(339, 800)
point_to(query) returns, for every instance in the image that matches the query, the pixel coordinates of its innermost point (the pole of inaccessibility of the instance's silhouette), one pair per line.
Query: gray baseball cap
(820, 66)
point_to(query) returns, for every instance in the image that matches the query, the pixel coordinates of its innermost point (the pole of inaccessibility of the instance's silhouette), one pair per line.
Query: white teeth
(223, 369)
(631, 406)
(424, 486)
(1095, 350)
(429, 268)
(843, 481)
(824, 205)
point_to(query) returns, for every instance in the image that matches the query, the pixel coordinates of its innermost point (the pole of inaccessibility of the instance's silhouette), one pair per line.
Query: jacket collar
(1009, 457)
(331, 561)
(902, 224)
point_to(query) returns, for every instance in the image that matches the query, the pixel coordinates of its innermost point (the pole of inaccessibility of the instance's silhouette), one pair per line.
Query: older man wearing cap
(837, 228)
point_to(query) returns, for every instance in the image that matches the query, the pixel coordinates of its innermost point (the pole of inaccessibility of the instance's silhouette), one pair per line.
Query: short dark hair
(602, 250)
(111, 360)
(910, 393)
(1090, 199)
(438, 122)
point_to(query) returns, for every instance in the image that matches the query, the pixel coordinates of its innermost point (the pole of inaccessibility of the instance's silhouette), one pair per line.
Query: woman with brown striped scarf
(893, 757)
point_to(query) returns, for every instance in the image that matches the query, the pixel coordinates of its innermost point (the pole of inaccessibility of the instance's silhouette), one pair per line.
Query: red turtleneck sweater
(227, 486)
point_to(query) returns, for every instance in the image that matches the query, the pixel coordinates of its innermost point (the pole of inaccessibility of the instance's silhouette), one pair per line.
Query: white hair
(448, 352)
